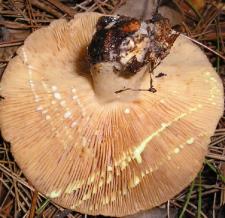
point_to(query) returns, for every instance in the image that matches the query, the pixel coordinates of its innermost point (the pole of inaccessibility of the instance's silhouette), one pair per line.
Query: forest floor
(202, 20)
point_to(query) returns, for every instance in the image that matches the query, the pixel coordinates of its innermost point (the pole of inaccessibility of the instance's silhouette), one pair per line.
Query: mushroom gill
(96, 151)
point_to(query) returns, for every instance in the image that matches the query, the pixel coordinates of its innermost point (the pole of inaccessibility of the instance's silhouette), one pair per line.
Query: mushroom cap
(113, 158)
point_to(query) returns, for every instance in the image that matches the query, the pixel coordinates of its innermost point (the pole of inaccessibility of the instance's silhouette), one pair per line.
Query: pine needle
(214, 169)
(187, 200)
(42, 207)
(199, 195)
(194, 8)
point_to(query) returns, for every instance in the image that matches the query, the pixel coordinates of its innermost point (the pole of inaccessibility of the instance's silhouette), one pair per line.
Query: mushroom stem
(107, 82)
(120, 51)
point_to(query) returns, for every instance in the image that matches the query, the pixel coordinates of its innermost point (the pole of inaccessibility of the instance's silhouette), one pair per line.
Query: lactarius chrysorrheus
(96, 126)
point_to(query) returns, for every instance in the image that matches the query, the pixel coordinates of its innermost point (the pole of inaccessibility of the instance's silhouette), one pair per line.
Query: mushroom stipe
(95, 151)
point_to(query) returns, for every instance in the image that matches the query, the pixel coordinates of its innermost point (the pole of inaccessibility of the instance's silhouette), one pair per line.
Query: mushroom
(84, 132)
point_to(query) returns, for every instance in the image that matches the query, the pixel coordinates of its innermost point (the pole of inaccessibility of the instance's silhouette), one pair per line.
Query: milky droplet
(67, 114)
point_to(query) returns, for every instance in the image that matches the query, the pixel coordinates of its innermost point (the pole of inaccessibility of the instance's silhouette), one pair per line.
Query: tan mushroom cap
(114, 158)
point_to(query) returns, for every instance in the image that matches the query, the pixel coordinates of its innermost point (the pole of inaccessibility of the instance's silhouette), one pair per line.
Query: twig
(168, 208)
(217, 140)
(63, 7)
(33, 204)
(216, 157)
(10, 44)
(30, 14)
(12, 193)
(46, 8)
(179, 206)
(204, 46)
(13, 175)
(15, 25)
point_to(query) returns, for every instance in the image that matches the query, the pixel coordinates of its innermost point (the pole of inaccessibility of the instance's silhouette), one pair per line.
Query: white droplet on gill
(67, 114)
